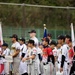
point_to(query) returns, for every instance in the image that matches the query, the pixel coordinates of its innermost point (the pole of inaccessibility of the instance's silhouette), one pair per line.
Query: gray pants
(16, 68)
(33, 69)
(48, 69)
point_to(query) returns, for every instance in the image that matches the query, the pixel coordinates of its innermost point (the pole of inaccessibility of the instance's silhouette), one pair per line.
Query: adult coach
(15, 49)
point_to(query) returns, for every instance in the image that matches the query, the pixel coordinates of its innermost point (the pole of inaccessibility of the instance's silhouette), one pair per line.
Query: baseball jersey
(23, 65)
(65, 49)
(70, 54)
(6, 52)
(15, 46)
(23, 49)
(31, 52)
(46, 52)
(36, 41)
(59, 54)
(55, 51)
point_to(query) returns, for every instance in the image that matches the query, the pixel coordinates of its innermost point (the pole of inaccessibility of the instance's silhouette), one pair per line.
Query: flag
(1, 38)
(1, 69)
(72, 35)
(45, 31)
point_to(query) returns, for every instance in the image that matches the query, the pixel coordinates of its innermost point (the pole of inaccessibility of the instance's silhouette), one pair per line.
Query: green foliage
(36, 17)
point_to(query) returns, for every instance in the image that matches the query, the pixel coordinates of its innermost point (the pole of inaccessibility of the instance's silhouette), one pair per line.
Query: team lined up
(39, 58)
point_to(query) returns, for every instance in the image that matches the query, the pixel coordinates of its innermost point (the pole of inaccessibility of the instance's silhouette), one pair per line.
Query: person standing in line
(15, 50)
(61, 41)
(58, 59)
(33, 56)
(47, 57)
(70, 54)
(64, 59)
(6, 52)
(32, 34)
(23, 51)
(72, 71)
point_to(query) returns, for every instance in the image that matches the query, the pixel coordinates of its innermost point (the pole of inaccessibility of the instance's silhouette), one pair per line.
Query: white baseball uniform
(38, 51)
(65, 49)
(33, 62)
(6, 64)
(23, 65)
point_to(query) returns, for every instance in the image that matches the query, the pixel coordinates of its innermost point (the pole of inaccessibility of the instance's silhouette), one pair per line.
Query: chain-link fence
(21, 18)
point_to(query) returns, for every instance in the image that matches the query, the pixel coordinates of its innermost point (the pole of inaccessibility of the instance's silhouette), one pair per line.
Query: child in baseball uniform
(6, 52)
(23, 50)
(34, 57)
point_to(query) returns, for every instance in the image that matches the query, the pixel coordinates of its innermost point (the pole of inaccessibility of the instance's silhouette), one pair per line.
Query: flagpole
(72, 35)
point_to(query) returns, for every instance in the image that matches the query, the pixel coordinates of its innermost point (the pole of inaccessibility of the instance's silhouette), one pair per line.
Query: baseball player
(6, 52)
(64, 59)
(34, 57)
(23, 50)
(61, 40)
(15, 50)
(48, 58)
(72, 71)
(70, 53)
(32, 34)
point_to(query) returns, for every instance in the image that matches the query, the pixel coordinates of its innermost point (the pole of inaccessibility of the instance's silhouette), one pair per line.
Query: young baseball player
(72, 71)
(6, 52)
(23, 51)
(70, 54)
(47, 57)
(61, 40)
(34, 57)
(64, 59)
(32, 34)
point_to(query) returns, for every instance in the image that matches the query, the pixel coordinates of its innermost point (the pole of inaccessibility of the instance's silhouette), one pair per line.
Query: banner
(1, 38)
(45, 31)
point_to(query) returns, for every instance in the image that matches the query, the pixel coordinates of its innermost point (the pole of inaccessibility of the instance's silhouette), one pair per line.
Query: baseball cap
(14, 36)
(22, 39)
(32, 31)
(5, 44)
(61, 37)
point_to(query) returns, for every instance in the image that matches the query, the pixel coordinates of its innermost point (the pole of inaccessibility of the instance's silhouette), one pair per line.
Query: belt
(45, 63)
(65, 61)
(58, 61)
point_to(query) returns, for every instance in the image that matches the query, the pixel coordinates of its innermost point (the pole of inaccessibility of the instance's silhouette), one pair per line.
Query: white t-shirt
(6, 52)
(23, 49)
